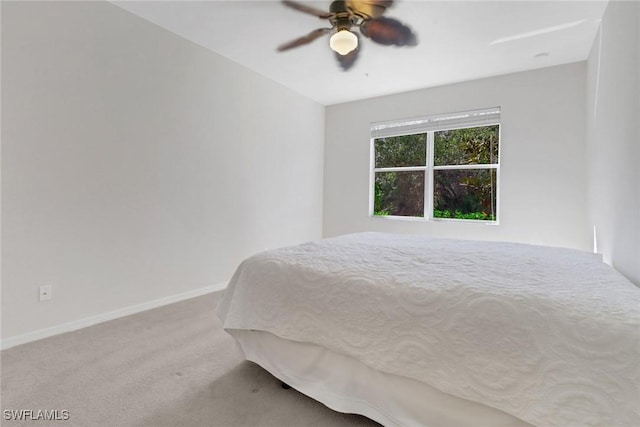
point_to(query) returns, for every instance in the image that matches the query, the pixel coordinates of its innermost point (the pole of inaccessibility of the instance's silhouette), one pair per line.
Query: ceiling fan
(347, 15)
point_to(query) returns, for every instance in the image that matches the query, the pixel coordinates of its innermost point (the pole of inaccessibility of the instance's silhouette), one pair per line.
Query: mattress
(547, 335)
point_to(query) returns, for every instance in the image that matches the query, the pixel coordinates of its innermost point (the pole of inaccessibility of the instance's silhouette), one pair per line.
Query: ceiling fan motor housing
(342, 18)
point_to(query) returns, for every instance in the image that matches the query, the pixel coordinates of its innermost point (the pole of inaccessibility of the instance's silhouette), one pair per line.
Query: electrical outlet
(45, 293)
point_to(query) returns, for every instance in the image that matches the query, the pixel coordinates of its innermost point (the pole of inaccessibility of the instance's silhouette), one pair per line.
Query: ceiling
(457, 41)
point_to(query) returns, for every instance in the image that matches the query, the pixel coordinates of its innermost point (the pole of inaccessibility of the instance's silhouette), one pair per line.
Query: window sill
(446, 220)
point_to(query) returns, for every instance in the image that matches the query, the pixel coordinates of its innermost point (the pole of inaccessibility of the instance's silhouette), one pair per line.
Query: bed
(417, 331)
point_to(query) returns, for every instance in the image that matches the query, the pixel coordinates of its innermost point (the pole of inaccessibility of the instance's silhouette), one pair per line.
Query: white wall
(542, 189)
(613, 137)
(137, 165)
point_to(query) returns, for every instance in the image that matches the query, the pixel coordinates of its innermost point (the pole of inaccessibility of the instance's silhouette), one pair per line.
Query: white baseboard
(103, 317)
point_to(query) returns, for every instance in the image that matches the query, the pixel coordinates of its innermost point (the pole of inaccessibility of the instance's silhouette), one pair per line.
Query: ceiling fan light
(343, 42)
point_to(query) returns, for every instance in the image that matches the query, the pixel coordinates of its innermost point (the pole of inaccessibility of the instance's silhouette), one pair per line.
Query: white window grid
(429, 169)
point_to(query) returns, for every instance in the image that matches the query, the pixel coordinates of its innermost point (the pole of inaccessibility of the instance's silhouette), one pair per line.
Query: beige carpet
(171, 366)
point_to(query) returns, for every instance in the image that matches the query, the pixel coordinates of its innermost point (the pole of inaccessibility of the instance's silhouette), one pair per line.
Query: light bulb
(343, 42)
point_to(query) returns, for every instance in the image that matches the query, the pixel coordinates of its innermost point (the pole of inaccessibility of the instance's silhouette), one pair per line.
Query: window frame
(429, 169)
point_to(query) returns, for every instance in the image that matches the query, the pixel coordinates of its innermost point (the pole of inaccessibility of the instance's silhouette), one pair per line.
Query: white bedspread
(549, 335)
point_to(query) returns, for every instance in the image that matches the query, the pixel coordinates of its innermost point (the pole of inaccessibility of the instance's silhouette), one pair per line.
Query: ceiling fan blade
(347, 61)
(304, 39)
(370, 8)
(388, 31)
(307, 9)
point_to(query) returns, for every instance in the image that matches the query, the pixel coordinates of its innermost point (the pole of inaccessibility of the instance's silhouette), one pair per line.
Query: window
(438, 167)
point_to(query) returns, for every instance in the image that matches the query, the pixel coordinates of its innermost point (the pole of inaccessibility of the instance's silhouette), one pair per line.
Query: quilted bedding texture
(549, 335)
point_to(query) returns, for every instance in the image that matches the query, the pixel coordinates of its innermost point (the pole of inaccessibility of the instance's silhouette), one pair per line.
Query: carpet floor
(170, 366)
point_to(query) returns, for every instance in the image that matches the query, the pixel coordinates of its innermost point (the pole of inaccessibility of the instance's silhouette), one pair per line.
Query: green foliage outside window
(399, 193)
(408, 150)
(457, 193)
(470, 146)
